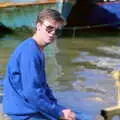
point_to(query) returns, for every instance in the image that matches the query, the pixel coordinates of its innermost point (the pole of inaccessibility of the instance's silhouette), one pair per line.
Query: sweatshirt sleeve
(34, 85)
(50, 94)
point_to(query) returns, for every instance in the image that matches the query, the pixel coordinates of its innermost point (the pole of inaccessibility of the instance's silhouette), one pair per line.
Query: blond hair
(47, 14)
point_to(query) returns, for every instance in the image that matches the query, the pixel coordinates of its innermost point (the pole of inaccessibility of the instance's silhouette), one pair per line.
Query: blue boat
(91, 13)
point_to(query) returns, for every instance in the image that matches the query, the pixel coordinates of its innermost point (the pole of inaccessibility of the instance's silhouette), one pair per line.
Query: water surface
(78, 69)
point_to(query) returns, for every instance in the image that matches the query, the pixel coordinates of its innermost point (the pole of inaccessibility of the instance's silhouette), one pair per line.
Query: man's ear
(38, 26)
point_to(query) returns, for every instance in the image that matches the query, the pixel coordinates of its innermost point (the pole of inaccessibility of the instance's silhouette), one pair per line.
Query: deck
(22, 4)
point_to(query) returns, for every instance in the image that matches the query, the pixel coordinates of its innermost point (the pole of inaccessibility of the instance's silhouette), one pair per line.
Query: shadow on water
(90, 32)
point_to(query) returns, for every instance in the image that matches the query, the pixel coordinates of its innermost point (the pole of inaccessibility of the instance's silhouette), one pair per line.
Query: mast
(65, 6)
(60, 4)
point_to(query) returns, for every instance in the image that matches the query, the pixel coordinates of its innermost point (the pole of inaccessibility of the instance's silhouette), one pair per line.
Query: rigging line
(92, 26)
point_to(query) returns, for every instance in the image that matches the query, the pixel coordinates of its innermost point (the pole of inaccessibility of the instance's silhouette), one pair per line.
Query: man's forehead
(52, 23)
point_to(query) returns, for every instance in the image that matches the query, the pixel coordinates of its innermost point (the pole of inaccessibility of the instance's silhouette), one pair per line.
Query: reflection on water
(85, 77)
(78, 70)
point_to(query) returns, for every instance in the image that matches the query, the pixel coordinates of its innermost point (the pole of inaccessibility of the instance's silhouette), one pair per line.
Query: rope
(93, 26)
(75, 28)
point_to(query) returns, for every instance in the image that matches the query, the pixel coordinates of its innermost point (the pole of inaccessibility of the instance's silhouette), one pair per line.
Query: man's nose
(53, 32)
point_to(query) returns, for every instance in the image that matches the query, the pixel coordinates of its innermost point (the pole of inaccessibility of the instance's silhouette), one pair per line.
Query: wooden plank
(108, 113)
(22, 4)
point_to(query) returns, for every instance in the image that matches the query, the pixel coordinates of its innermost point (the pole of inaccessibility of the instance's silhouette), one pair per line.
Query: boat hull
(94, 15)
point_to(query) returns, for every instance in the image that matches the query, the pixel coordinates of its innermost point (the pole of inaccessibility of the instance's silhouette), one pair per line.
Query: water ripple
(99, 61)
(110, 50)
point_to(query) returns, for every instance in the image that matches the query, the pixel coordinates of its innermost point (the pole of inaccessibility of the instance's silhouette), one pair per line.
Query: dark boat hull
(85, 15)
(4, 30)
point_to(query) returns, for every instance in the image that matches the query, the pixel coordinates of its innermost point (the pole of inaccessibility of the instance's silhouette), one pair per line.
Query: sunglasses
(50, 29)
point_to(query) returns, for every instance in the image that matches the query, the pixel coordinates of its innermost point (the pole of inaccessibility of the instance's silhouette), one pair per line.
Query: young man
(27, 95)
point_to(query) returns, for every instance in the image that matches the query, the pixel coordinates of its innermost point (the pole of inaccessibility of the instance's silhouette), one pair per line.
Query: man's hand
(68, 115)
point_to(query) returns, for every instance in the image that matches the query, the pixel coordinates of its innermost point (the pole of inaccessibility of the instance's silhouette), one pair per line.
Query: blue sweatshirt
(25, 88)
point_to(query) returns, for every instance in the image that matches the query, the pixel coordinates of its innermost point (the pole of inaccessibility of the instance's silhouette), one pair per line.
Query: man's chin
(47, 43)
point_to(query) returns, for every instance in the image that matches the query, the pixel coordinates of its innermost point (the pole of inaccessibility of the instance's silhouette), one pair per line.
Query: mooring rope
(87, 27)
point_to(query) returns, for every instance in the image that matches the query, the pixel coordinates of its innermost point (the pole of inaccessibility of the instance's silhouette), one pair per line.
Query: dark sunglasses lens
(58, 32)
(49, 29)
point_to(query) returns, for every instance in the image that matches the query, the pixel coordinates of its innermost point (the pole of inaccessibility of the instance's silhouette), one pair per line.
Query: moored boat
(23, 4)
(87, 14)
(19, 15)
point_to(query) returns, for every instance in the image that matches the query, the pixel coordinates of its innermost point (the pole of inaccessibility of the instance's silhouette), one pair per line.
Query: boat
(91, 14)
(15, 15)
(4, 30)
(24, 4)
(80, 14)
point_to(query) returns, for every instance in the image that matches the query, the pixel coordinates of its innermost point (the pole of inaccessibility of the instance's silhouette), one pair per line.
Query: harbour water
(78, 69)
